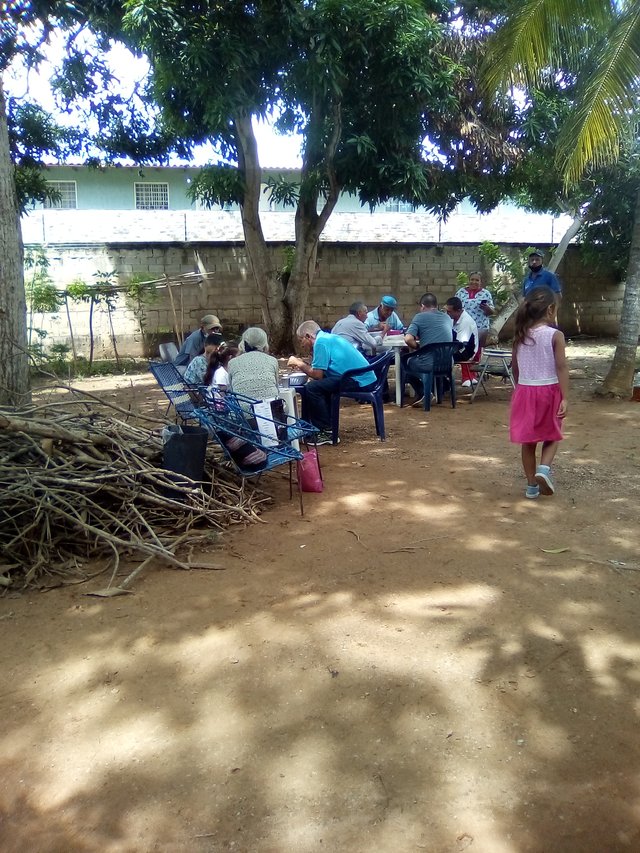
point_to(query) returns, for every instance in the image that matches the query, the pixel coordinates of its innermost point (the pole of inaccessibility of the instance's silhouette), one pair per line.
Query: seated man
(193, 345)
(429, 326)
(352, 328)
(331, 357)
(384, 317)
(466, 333)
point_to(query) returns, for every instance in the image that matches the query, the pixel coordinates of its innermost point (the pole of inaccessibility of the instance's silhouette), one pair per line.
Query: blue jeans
(316, 399)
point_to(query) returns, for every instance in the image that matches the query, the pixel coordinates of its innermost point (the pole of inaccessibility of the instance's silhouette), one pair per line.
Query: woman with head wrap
(254, 373)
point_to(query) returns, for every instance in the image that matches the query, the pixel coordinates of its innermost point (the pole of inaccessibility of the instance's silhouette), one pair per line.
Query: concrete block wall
(346, 272)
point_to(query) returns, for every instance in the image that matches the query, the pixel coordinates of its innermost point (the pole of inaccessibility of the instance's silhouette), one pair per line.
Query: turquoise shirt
(335, 355)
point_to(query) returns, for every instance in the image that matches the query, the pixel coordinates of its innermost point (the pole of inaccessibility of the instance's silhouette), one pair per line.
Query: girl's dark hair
(535, 305)
(226, 354)
(219, 359)
(213, 340)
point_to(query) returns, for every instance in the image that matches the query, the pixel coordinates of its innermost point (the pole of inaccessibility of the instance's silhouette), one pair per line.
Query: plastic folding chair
(182, 396)
(442, 369)
(380, 367)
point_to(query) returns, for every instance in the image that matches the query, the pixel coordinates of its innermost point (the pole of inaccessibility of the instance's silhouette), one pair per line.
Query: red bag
(309, 474)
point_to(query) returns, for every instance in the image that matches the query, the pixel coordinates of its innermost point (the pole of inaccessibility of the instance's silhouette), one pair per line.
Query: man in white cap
(193, 345)
(384, 317)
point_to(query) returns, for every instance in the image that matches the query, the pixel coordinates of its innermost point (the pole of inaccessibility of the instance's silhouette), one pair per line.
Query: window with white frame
(399, 207)
(152, 196)
(67, 196)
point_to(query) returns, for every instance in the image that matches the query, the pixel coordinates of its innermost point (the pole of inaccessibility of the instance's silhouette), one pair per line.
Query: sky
(274, 150)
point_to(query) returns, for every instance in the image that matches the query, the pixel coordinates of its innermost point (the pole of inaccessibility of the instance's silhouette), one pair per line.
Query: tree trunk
(283, 305)
(266, 278)
(619, 380)
(511, 305)
(14, 359)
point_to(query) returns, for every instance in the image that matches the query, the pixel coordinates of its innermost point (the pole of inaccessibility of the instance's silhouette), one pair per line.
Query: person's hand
(384, 328)
(562, 409)
(485, 308)
(294, 361)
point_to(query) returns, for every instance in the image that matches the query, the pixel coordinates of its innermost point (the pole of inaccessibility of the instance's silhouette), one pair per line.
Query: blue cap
(389, 301)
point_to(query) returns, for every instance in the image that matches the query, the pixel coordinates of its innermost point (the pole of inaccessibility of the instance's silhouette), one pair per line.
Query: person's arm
(366, 341)
(486, 304)
(514, 364)
(410, 341)
(562, 369)
(302, 365)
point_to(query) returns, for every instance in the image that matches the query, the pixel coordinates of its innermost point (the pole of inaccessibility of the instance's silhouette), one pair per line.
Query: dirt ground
(425, 661)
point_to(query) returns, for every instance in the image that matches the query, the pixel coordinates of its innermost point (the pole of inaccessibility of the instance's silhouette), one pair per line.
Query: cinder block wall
(591, 303)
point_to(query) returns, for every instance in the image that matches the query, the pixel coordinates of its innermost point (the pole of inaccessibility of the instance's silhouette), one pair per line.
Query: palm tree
(596, 45)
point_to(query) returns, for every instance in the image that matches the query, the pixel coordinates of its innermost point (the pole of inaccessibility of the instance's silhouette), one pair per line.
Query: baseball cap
(210, 321)
(536, 253)
(389, 301)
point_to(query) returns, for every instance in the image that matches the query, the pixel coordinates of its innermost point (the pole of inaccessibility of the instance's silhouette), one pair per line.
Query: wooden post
(73, 340)
(178, 330)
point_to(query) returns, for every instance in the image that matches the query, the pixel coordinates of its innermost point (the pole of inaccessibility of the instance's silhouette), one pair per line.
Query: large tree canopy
(593, 45)
(371, 85)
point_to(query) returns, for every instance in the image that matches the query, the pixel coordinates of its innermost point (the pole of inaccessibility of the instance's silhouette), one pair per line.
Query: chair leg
(297, 484)
(335, 417)
(453, 389)
(378, 416)
(427, 388)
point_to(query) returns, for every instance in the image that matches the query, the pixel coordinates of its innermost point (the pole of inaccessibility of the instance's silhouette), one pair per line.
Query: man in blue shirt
(539, 276)
(331, 357)
(193, 344)
(384, 317)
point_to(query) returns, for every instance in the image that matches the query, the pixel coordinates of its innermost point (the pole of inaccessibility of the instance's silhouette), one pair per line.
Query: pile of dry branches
(79, 480)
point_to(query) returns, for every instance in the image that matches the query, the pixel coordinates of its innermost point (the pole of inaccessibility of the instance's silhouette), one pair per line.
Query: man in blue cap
(539, 276)
(384, 317)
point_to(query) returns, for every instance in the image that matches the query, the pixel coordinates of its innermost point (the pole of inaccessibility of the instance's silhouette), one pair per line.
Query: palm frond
(607, 99)
(543, 36)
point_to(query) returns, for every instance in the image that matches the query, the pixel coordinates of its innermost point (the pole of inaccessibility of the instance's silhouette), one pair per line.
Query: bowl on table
(297, 379)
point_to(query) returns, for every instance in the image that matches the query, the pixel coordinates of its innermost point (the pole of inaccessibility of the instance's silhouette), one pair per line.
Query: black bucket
(185, 452)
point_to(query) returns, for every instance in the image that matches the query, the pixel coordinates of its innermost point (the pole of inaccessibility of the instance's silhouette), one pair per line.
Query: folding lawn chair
(182, 396)
(252, 442)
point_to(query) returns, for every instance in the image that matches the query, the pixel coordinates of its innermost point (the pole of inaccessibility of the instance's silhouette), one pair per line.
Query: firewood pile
(80, 481)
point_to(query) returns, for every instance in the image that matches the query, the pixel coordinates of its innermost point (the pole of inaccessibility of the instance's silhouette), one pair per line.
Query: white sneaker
(466, 383)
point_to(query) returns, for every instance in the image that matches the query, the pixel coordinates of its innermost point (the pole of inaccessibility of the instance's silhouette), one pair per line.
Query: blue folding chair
(442, 360)
(380, 367)
(182, 396)
(243, 435)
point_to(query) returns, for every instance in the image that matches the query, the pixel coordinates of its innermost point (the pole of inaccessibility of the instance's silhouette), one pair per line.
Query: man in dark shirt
(429, 326)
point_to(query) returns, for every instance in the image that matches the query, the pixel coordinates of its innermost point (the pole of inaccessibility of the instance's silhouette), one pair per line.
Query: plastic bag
(309, 474)
(168, 431)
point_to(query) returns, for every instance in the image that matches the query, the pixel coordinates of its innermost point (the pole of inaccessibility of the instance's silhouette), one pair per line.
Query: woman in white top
(221, 373)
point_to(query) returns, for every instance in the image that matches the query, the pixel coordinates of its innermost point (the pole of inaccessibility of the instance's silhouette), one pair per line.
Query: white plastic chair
(168, 352)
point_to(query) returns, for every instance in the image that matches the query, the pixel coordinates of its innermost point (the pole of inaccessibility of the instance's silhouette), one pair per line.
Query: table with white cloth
(397, 344)
(491, 358)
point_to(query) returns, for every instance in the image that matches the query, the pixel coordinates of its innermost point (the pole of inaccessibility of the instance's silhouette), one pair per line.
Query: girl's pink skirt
(534, 415)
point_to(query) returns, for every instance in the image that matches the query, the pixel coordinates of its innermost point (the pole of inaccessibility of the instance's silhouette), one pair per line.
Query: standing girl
(542, 383)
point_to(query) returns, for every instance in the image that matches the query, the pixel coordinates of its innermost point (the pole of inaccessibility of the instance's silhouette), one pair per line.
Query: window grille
(67, 195)
(152, 196)
(399, 207)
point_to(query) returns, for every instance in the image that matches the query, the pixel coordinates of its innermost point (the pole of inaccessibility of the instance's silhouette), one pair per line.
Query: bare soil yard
(425, 661)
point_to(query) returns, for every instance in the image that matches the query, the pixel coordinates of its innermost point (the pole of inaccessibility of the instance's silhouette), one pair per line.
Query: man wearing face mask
(539, 276)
